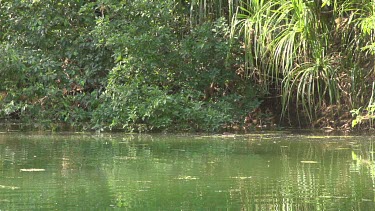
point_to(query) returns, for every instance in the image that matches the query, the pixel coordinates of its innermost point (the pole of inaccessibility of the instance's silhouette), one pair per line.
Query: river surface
(279, 171)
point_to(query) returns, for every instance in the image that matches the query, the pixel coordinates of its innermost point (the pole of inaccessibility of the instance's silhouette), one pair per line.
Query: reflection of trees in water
(69, 177)
(363, 163)
(308, 176)
(326, 183)
(253, 175)
(191, 172)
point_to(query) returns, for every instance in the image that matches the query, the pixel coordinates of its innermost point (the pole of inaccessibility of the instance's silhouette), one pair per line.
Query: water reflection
(258, 172)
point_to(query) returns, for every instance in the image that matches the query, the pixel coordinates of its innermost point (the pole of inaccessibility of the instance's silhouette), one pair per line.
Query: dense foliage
(137, 65)
(318, 53)
(186, 65)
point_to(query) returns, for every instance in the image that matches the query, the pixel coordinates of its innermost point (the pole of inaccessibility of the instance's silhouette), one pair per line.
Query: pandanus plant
(314, 51)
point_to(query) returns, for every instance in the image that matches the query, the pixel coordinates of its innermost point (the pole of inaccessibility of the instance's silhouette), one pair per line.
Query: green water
(143, 172)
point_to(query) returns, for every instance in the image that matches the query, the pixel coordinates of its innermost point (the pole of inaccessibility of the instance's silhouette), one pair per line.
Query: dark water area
(278, 171)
